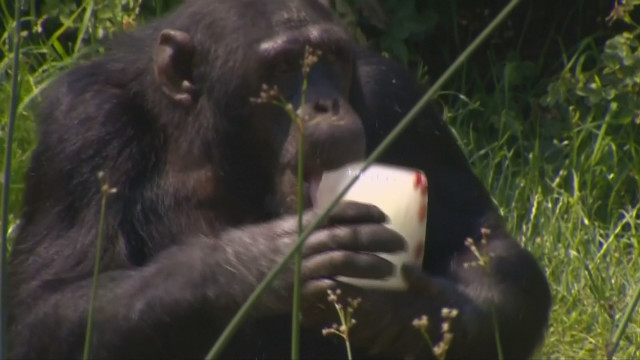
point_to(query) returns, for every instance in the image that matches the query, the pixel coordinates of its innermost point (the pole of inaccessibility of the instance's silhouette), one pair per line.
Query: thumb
(435, 288)
(417, 279)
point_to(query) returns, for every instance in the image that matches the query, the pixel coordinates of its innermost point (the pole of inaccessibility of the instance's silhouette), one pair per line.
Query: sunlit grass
(572, 198)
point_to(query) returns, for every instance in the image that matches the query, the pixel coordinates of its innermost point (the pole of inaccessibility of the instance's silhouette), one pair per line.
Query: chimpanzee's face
(332, 131)
(271, 53)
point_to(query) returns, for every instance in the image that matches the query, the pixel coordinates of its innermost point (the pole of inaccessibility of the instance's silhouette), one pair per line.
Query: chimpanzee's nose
(326, 106)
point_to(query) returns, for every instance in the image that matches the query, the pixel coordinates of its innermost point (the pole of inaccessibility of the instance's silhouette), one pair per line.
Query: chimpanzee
(206, 200)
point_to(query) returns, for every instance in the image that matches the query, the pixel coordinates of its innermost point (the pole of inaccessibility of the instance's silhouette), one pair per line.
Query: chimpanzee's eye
(286, 66)
(330, 57)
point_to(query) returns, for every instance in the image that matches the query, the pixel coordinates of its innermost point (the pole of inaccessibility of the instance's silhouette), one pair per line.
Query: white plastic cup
(401, 193)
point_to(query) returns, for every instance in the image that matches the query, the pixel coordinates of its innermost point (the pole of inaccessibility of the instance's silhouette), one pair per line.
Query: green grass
(567, 180)
(562, 162)
(557, 209)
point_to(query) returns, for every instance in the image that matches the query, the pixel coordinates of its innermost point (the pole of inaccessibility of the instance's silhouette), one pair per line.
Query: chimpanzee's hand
(344, 245)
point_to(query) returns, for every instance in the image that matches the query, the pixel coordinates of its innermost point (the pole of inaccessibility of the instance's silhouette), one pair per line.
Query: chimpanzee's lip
(311, 184)
(312, 175)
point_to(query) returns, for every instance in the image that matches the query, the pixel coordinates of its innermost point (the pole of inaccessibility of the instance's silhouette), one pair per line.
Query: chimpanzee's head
(216, 68)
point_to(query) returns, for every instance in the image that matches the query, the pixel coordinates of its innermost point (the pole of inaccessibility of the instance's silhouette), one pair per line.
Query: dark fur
(193, 227)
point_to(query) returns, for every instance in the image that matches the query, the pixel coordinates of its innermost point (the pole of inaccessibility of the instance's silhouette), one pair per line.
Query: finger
(317, 308)
(289, 224)
(417, 279)
(366, 237)
(317, 289)
(346, 263)
(351, 212)
(317, 297)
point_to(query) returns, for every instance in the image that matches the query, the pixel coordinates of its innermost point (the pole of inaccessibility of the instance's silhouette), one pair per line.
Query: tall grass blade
(626, 318)
(297, 269)
(13, 107)
(105, 190)
(86, 20)
(297, 273)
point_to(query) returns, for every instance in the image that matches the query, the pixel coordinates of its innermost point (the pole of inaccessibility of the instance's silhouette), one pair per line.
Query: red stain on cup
(420, 182)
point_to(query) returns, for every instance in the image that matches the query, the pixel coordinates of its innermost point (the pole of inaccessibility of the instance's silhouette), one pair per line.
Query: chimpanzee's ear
(173, 64)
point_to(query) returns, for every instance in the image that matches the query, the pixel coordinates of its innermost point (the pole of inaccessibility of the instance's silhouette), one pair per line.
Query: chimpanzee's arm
(178, 303)
(165, 307)
(510, 292)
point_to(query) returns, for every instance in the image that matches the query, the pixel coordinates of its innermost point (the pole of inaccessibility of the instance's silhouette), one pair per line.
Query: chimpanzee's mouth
(311, 182)
(315, 167)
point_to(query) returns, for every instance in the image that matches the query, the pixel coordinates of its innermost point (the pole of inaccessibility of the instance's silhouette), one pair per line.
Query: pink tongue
(314, 183)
